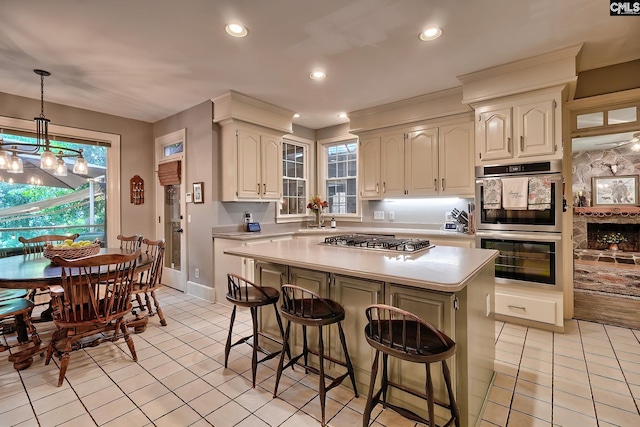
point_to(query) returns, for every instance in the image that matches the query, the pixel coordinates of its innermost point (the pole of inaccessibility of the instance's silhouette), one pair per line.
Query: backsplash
(414, 211)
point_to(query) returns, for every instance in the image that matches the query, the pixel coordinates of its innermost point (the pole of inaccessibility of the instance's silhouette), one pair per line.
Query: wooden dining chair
(147, 282)
(90, 305)
(19, 310)
(35, 245)
(131, 243)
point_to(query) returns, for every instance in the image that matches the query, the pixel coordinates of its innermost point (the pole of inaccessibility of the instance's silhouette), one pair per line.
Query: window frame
(322, 169)
(306, 145)
(113, 214)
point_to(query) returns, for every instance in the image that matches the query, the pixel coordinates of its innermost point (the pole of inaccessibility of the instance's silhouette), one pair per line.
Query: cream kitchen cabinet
(259, 165)
(521, 128)
(435, 161)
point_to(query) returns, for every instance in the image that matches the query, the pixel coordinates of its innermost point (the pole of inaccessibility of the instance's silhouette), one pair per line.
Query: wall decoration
(198, 196)
(136, 189)
(615, 190)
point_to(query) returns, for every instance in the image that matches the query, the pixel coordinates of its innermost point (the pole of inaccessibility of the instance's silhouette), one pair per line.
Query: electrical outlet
(189, 219)
(378, 214)
(197, 273)
(248, 217)
(392, 216)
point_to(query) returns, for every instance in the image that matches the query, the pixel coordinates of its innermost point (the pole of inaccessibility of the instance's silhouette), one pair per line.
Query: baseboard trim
(201, 291)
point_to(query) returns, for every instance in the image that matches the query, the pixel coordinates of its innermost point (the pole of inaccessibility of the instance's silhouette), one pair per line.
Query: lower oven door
(526, 259)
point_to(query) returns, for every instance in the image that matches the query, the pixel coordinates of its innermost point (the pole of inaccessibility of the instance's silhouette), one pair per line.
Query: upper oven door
(547, 220)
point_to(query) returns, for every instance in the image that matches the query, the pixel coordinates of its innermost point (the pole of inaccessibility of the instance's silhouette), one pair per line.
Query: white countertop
(441, 268)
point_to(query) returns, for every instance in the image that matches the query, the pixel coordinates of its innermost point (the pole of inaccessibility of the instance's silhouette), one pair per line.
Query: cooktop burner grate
(387, 242)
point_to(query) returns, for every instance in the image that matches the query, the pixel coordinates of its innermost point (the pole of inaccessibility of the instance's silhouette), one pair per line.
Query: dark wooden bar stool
(403, 335)
(308, 309)
(241, 292)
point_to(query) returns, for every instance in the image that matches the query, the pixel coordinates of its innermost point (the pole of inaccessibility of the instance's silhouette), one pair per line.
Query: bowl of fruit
(72, 250)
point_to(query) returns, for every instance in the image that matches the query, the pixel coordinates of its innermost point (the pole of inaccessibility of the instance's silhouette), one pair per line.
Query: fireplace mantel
(607, 210)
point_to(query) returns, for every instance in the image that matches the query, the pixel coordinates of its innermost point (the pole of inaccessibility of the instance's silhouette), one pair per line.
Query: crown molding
(237, 106)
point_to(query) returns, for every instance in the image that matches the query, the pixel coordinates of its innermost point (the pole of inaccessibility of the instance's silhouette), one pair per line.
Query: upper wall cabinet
(259, 165)
(410, 162)
(513, 129)
(250, 141)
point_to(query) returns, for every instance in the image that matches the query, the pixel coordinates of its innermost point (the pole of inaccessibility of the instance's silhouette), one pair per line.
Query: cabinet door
(369, 167)
(267, 274)
(248, 164)
(456, 166)
(421, 163)
(355, 295)
(437, 309)
(392, 161)
(271, 167)
(494, 135)
(318, 283)
(535, 128)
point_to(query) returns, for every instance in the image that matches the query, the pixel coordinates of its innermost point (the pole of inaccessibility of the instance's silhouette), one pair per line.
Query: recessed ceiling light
(318, 74)
(343, 115)
(236, 29)
(430, 33)
(296, 115)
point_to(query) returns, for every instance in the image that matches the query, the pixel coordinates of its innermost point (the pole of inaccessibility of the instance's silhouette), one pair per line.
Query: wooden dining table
(34, 271)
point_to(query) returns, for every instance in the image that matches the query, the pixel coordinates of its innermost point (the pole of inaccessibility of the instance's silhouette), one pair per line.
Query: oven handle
(534, 236)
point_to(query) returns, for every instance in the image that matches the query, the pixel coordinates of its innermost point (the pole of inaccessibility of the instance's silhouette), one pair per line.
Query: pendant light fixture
(9, 152)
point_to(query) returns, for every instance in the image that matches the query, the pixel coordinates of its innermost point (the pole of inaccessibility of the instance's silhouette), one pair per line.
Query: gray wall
(136, 153)
(201, 166)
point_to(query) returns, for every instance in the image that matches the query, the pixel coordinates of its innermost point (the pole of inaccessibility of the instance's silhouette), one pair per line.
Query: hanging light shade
(4, 159)
(61, 167)
(80, 167)
(47, 159)
(15, 164)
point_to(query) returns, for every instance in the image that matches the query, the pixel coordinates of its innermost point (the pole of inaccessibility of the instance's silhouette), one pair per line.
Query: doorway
(170, 206)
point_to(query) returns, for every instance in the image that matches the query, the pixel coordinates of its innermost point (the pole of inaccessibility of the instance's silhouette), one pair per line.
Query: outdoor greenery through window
(36, 202)
(342, 167)
(294, 179)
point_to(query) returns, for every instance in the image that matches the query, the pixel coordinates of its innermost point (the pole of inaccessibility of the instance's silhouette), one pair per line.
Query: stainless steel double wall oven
(529, 240)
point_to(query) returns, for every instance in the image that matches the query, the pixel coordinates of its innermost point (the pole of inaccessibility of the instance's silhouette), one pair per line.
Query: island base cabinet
(438, 310)
(355, 295)
(272, 275)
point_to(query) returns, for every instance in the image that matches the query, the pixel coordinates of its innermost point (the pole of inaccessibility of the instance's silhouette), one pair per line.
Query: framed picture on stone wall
(615, 190)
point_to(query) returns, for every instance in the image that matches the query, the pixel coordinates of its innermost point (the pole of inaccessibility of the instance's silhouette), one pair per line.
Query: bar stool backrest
(405, 335)
(240, 289)
(303, 303)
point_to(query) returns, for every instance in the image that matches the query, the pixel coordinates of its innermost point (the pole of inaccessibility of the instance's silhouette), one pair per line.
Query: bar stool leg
(369, 406)
(227, 347)
(284, 349)
(385, 378)
(305, 348)
(455, 412)
(254, 355)
(323, 392)
(348, 359)
(430, 405)
(285, 344)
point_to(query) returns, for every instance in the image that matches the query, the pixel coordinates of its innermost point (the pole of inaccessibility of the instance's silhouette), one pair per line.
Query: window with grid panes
(342, 169)
(294, 179)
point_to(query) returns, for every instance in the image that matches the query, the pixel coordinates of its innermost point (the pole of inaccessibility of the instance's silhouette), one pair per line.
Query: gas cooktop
(382, 242)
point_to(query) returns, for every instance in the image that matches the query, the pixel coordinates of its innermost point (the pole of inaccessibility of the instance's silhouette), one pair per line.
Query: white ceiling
(150, 59)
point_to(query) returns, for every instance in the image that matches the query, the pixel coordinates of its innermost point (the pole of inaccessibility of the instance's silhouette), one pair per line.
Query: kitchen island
(450, 287)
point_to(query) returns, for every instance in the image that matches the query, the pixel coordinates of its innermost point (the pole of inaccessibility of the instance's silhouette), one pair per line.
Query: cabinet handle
(517, 307)
(377, 300)
(377, 188)
(435, 184)
(258, 189)
(442, 184)
(521, 143)
(509, 145)
(393, 299)
(384, 186)
(264, 186)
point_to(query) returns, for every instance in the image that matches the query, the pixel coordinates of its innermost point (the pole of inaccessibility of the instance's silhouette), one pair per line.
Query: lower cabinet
(529, 305)
(272, 275)
(438, 310)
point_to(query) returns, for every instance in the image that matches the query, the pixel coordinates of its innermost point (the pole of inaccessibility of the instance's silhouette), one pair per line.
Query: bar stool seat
(308, 309)
(403, 335)
(244, 293)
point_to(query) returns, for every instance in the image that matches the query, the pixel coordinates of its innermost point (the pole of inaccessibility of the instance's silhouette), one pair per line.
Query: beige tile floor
(588, 376)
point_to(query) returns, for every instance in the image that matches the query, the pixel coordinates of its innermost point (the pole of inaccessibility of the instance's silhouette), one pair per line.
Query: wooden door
(494, 135)
(369, 167)
(535, 128)
(456, 163)
(421, 163)
(249, 178)
(392, 164)
(271, 167)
